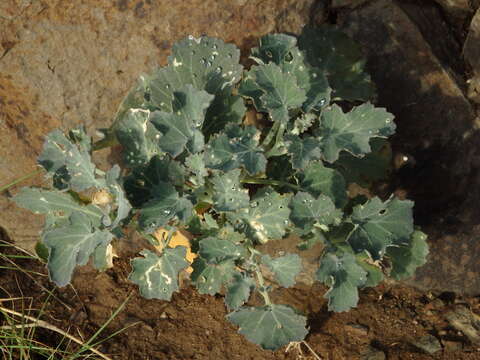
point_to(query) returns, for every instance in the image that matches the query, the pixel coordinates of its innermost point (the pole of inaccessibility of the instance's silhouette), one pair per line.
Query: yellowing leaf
(178, 239)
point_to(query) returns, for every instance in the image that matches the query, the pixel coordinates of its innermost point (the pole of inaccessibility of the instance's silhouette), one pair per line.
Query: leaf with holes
(229, 194)
(286, 268)
(157, 275)
(302, 150)
(270, 326)
(236, 147)
(207, 64)
(209, 278)
(215, 250)
(281, 49)
(381, 224)
(139, 138)
(344, 276)
(318, 179)
(308, 211)
(352, 131)
(165, 205)
(180, 129)
(266, 218)
(56, 203)
(71, 245)
(273, 91)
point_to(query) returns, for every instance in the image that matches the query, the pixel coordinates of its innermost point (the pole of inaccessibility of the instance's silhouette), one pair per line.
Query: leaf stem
(270, 182)
(271, 134)
(20, 179)
(261, 283)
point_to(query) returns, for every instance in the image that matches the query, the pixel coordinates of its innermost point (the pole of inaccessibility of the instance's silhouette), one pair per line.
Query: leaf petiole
(269, 182)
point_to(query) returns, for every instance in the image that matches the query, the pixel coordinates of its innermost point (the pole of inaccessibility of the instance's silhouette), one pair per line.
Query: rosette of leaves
(190, 163)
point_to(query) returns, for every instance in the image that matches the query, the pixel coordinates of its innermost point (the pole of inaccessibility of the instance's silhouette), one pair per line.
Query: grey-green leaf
(344, 276)
(209, 278)
(164, 206)
(139, 138)
(215, 250)
(208, 64)
(239, 290)
(308, 211)
(196, 164)
(267, 216)
(271, 327)
(286, 268)
(157, 275)
(352, 131)
(236, 147)
(56, 203)
(334, 53)
(70, 245)
(381, 224)
(318, 179)
(114, 185)
(229, 194)
(302, 150)
(407, 258)
(273, 91)
(281, 49)
(181, 127)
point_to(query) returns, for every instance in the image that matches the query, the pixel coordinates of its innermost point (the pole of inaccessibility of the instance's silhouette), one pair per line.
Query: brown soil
(192, 326)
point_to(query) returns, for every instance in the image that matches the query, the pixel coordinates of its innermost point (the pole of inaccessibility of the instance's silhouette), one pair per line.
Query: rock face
(435, 126)
(431, 111)
(471, 53)
(65, 63)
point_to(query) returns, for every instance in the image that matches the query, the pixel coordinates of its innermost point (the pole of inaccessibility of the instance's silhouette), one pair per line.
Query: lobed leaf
(229, 194)
(344, 276)
(267, 216)
(381, 224)
(406, 258)
(286, 268)
(334, 53)
(281, 49)
(270, 326)
(165, 205)
(239, 290)
(302, 150)
(352, 131)
(72, 244)
(209, 278)
(157, 275)
(180, 128)
(273, 91)
(318, 179)
(236, 147)
(308, 211)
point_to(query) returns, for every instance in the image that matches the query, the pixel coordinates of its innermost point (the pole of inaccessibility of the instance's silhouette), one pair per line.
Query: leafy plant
(191, 162)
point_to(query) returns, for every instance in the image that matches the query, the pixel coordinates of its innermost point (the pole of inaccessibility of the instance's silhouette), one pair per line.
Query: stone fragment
(428, 343)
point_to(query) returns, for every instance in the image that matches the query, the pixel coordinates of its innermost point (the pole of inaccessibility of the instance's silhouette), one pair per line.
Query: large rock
(435, 126)
(471, 53)
(69, 62)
